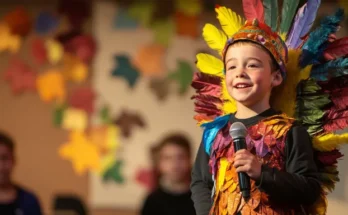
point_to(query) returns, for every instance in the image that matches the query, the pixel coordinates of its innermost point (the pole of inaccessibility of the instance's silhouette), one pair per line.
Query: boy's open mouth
(242, 85)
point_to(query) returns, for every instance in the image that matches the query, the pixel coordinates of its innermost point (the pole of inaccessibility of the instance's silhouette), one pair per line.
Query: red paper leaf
(20, 76)
(83, 46)
(19, 21)
(83, 98)
(145, 177)
(38, 50)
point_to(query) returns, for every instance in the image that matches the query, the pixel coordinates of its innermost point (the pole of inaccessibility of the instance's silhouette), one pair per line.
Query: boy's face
(249, 77)
(174, 163)
(6, 164)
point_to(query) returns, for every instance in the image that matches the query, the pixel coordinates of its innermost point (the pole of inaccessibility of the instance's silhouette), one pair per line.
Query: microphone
(238, 133)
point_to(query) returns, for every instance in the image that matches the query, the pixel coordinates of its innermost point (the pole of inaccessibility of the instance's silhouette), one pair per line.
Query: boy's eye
(231, 67)
(253, 66)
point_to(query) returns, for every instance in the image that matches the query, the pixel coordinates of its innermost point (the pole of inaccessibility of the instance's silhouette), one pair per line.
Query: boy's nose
(240, 73)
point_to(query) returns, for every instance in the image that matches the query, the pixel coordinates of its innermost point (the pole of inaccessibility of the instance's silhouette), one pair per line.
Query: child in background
(172, 163)
(14, 200)
(287, 177)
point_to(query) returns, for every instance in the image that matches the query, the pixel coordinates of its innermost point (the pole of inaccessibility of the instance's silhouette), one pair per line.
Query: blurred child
(172, 163)
(14, 200)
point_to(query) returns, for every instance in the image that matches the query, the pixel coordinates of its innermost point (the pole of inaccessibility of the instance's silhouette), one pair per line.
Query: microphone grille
(238, 130)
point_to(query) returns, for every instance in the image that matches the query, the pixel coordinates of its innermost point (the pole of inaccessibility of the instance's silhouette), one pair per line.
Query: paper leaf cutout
(191, 8)
(125, 70)
(127, 121)
(19, 21)
(54, 51)
(82, 46)
(83, 98)
(51, 86)
(66, 36)
(74, 69)
(46, 22)
(38, 51)
(160, 87)
(123, 20)
(20, 76)
(163, 10)
(107, 139)
(150, 64)
(145, 177)
(187, 25)
(114, 173)
(142, 12)
(8, 41)
(83, 154)
(183, 75)
(105, 115)
(58, 115)
(75, 119)
(77, 11)
(163, 31)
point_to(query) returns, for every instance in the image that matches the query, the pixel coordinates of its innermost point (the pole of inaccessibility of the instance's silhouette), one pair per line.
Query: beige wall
(39, 167)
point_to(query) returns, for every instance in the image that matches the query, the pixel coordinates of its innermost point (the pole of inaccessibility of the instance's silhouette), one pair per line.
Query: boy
(14, 200)
(279, 159)
(172, 164)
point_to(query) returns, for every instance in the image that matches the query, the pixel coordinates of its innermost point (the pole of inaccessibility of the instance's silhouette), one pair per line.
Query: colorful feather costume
(315, 91)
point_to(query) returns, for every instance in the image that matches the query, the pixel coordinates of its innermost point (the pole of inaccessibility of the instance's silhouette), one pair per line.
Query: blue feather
(304, 20)
(211, 129)
(317, 38)
(330, 69)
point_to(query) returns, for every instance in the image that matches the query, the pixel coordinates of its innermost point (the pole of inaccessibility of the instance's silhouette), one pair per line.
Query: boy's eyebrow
(249, 58)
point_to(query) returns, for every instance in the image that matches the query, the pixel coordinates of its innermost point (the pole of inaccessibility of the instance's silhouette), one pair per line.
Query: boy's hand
(246, 162)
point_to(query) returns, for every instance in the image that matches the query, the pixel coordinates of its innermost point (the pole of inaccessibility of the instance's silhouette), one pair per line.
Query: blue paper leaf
(46, 22)
(125, 70)
(123, 20)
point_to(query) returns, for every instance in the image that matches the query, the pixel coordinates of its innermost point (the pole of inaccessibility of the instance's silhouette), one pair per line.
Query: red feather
(336, 117)
(253, 9)
(329, 158)
(336, 49)
(207, 98)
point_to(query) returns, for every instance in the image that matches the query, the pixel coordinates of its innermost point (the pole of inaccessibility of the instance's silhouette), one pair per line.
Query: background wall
(29, 121)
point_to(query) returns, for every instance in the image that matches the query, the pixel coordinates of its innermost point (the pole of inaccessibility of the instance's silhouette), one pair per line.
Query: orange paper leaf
(150, 60)
(186, 25)
(51, 86)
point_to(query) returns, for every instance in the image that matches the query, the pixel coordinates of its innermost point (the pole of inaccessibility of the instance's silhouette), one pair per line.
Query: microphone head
(238, 130)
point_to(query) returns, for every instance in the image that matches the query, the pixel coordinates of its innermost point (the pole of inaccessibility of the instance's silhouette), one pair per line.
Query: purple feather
(303, 22)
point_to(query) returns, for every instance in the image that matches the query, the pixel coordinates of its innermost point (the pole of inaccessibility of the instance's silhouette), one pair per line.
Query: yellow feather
(284, 96)
(230, 21)
(229, 105)
(329, 141)
(222, 172)
(210, 65)
(283, 36)
(215, 38)
(319, 207)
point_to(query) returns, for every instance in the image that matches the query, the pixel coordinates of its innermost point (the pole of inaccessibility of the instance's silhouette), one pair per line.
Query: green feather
(271, 13)
(288, 13)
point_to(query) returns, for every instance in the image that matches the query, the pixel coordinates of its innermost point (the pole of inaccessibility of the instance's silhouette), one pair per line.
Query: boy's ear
(277, 78)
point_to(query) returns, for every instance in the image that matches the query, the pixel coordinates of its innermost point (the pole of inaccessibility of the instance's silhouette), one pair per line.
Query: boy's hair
(7, 141)
(173, 139)
(274, 64)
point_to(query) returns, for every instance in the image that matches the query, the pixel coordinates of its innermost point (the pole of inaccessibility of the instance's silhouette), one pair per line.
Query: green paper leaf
(142, 12)
(114, 173)
(105, 115)
(183, 75)
(163, 31)
(58, 115)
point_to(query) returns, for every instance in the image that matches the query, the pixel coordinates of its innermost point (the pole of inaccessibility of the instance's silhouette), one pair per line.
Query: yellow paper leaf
(51, 86)
(192, 7)
(83, 154)
(8, 41)
(75, 119)
(74, 69)
(55, 51)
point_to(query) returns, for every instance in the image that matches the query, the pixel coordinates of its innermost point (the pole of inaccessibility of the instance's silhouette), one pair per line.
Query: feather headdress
(315, 91)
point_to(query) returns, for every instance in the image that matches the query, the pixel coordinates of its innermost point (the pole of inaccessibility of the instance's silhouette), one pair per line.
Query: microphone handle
(244, 180)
